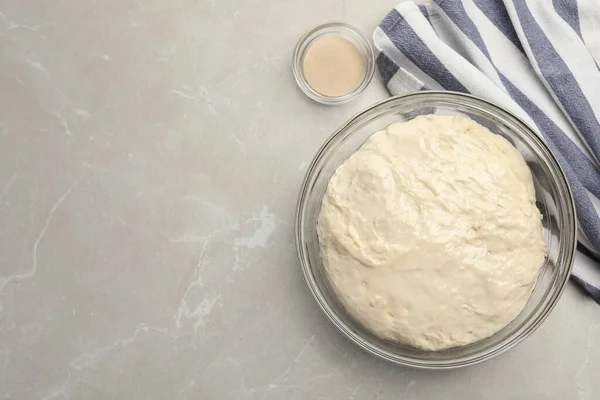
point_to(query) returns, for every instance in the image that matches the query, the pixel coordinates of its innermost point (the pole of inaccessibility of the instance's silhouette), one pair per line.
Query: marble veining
(151, 154)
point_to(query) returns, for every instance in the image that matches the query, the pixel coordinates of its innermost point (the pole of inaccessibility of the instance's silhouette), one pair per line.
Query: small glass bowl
(344, 31)
(553, 198)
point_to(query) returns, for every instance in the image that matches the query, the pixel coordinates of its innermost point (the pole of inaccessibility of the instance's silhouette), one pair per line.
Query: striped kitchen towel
(537, 58)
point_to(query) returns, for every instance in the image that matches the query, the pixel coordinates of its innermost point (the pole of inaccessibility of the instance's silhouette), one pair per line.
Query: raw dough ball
(429, 233)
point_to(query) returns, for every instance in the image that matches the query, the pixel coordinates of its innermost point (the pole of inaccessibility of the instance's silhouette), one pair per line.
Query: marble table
(151, 152)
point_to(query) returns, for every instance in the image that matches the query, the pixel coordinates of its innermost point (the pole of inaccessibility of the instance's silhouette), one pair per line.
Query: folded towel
(537, 58)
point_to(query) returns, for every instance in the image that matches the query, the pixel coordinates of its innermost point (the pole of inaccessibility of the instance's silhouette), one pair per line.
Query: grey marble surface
(151, 152)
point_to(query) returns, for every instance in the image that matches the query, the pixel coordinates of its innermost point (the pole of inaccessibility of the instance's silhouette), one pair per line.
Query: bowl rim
(500, 348)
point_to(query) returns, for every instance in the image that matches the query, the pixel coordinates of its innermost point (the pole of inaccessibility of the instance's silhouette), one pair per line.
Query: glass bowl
(553, 197)
(344, 31)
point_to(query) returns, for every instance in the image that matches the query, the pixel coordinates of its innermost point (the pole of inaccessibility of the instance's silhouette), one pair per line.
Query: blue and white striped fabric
(538, 58)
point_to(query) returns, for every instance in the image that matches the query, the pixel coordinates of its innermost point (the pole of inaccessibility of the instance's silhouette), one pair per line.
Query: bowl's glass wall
(553, 199)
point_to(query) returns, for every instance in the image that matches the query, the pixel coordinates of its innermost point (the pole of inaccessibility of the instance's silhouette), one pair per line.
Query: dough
(429, 233)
